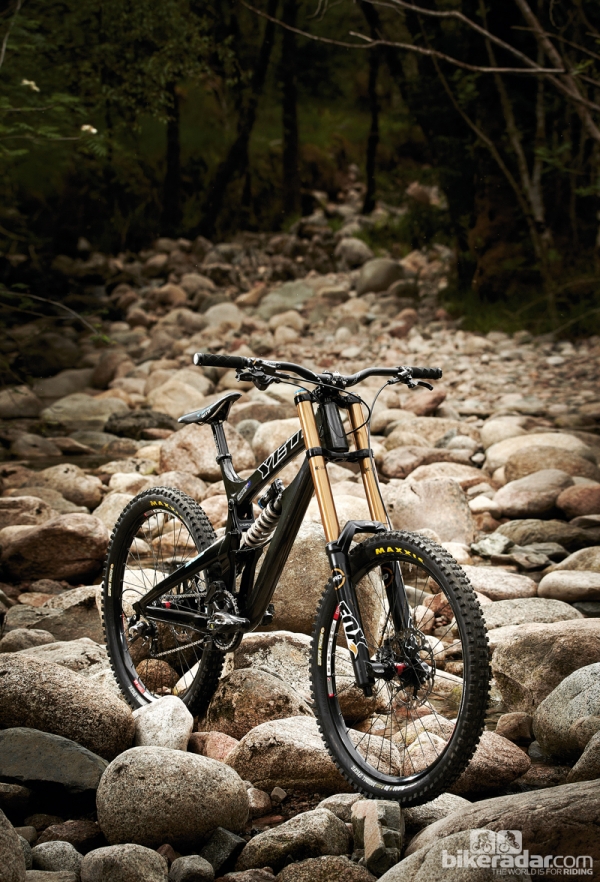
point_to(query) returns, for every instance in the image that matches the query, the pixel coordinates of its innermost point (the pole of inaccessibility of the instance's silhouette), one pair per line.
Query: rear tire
(378, 743)
(157, 532)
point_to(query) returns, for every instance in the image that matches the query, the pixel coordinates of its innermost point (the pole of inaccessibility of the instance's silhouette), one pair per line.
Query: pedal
(223, 622)
(269, 615)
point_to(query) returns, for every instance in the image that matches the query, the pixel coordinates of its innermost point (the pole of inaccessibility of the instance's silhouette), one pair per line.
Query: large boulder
(72, 615)
(24, 510)
(308, 835)
(283, 654)
(70, 546)
(570, 586)
(110, 509)
(12, 859)
(246, 698)
(176, 398)
(495, 763)
(327, 868)
(526, 461)
(82, 656)
(567, 718)
(439, 505)
(540, 656)
(500, 428)
(404, 459)
(526, 610)
(72, 483)
(19, 402)
(303, 581)
(290, 295)
(124, 863)
(80, 412)
(547, 819)
(587, 767)
(498, 584)
(498, 454)
(531, 530)
(138, 802)
(269, 436)
(351, 252)
(40, 695)
(193, 450)
(287, 753)
(532, 496)
(585, 559)
(580, 500)
(378, 274)
(34, 757)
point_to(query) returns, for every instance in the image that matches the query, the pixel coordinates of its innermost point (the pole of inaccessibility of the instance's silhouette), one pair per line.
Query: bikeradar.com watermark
(502, 851)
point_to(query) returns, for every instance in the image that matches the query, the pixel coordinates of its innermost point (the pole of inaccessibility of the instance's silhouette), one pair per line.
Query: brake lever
(255, 375)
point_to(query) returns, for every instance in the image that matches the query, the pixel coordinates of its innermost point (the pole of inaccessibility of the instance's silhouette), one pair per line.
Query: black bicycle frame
(225, 557)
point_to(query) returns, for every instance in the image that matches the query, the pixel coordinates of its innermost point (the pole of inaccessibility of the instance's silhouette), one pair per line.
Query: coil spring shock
(265, 524)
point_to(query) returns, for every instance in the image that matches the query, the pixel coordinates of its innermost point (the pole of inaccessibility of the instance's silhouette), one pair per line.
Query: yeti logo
(275, 458)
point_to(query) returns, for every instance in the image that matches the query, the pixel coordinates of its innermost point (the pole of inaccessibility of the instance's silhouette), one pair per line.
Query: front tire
(407, 742)
(157, 532)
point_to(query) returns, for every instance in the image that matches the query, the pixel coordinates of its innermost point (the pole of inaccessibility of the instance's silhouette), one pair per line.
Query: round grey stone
(56, 856)
(124, 863)
(191, 868)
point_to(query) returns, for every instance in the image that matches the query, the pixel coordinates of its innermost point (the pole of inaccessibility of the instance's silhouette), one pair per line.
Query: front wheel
(159, 531)
(412, 738)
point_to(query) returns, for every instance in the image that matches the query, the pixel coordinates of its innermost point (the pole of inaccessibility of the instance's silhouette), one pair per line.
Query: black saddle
(214, 413)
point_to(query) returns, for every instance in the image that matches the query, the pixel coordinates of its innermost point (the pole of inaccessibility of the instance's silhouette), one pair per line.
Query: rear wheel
(413, 737)
(158, 532)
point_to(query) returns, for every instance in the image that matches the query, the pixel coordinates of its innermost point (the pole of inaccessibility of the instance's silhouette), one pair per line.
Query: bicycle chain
(179, 648)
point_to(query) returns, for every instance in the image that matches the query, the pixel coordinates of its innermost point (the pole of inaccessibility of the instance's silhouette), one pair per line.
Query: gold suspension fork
(318, 470)
(361, 440)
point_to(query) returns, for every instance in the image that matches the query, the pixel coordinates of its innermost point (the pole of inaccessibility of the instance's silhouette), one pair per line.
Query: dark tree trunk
(291, 172)
(236, 162)
(171, 213)
(373, 140)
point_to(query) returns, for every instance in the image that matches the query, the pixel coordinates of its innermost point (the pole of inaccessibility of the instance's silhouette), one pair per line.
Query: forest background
(124, 120)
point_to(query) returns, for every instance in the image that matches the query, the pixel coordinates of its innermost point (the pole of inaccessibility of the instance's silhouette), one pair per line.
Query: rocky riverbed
(499, 464)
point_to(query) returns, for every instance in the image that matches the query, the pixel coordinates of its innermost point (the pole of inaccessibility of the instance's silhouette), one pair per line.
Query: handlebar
(402, 373)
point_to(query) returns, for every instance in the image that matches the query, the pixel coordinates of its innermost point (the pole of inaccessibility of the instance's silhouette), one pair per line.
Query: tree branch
(369, 43)
(8, 30)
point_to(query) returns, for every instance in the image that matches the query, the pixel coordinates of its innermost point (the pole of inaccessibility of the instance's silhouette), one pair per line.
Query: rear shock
(263, 527)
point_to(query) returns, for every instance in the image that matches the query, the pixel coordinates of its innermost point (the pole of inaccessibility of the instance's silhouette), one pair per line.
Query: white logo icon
(491, 842)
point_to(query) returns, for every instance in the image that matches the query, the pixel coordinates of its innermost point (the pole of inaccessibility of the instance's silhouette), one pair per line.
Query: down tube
(295, 503)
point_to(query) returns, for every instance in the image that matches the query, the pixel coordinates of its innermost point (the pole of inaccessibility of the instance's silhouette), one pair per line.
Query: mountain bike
(399, 659)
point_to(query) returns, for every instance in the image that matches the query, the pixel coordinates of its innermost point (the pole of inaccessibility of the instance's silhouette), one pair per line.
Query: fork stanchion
(361, 439)
(319, 472)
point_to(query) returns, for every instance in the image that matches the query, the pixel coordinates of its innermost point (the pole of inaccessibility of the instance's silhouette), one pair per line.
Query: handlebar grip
(208, 359)
(421, 373)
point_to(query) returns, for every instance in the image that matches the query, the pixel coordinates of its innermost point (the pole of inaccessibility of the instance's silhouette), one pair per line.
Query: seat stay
(209, 557)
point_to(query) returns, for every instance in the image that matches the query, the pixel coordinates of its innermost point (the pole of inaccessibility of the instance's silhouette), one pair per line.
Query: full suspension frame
(323, 440)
